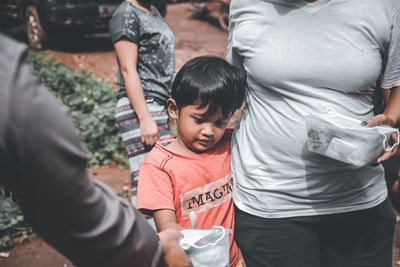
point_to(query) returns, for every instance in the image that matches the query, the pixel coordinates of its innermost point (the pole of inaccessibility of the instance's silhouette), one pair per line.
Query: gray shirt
(156, 53)
(300, 58)
(42, 162)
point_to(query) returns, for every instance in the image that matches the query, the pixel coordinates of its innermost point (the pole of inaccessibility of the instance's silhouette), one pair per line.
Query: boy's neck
(179, 147)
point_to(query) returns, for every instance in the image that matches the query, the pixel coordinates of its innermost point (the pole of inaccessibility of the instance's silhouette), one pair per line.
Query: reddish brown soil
(37, 253)
(193, 37)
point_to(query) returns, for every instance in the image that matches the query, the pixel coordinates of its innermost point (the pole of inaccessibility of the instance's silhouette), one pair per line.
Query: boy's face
(196, 132)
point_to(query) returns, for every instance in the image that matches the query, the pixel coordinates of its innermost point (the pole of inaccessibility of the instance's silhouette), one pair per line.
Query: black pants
(353, 239)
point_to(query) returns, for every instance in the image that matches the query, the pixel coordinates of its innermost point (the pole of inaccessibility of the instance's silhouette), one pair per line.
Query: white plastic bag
(343, 138)
(207, 248)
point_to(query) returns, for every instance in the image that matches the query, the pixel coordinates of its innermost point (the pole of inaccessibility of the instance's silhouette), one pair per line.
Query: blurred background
(71, 53)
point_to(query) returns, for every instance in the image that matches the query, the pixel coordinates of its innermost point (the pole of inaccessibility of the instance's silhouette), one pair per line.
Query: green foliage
(125, 192)
(12, 224)
(91, 103)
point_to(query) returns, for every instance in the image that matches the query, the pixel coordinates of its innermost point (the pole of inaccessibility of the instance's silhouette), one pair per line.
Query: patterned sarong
(129, 126)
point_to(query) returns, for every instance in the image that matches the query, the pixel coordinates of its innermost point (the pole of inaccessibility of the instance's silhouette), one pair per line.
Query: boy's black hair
(210, 81)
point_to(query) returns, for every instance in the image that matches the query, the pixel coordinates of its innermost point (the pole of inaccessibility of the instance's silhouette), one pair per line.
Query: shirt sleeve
(155, 189)
(391, 76)
(43, 164)
(124, 23)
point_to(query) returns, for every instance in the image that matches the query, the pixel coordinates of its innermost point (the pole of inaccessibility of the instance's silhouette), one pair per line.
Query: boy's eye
(221, 123)
(198, 120)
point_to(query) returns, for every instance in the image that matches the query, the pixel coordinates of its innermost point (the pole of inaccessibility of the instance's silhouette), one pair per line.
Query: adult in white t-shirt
(295, 207)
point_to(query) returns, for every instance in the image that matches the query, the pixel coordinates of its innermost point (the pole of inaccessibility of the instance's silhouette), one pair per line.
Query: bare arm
(386, 95)
(174, 256)
(166, 222)
(165, 219)
(392, 110)
(235, 117)
(127, 53)
(390, 117)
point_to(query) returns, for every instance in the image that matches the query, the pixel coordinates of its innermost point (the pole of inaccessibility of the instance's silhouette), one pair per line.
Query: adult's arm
(390, 117)
(127, 53)
(41, 161)
(390, 84)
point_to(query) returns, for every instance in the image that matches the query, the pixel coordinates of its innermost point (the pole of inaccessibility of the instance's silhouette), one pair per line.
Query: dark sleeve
(124, 23)
(44, 165)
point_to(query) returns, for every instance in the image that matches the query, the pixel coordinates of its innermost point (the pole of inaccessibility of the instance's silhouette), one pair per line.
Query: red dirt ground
(193, 37)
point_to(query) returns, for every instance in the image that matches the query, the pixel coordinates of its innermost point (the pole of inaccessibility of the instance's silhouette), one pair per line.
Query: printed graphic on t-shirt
(207, 196)
(165, 41)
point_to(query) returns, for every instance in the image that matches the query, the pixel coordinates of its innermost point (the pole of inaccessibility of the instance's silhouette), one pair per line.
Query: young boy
(191, 172)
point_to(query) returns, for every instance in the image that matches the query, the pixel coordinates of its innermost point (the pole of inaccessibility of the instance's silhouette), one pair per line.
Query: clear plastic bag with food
(344, 138)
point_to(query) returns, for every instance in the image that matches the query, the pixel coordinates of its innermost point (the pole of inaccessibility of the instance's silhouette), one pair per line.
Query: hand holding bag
(343, 138)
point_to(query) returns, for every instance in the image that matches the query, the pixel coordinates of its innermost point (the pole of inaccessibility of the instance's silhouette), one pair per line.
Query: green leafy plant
(13, 228)
(125, 192)
(91, 103)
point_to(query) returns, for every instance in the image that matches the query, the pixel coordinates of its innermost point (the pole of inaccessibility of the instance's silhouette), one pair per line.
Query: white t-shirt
(304, 57)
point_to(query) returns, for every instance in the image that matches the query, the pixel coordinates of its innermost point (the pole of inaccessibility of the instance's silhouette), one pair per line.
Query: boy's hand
(174, 256)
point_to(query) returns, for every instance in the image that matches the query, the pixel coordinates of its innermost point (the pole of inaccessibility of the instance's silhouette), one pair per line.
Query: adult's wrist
(144, 116)
(392, 120)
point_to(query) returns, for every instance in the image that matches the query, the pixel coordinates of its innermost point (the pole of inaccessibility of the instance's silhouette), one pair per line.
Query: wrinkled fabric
(301, 58)
(42, 162)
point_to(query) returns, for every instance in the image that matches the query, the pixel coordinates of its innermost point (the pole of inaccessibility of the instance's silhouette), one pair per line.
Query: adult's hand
(386, 120)
(149, 131)
(174, 256)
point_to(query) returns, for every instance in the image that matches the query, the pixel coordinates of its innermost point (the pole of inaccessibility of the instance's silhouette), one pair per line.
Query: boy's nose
(208, 130)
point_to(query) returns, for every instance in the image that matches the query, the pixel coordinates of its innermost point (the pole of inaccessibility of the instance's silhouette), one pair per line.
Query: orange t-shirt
(201, 183)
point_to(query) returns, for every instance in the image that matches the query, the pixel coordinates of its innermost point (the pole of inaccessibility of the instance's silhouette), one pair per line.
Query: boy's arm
(165, 219)
(156, 194)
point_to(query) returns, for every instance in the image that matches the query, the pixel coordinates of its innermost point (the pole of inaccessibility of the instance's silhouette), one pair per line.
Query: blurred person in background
(42, 163)
(144, 44)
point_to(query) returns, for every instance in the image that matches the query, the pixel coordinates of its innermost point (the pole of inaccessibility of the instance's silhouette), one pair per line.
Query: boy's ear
(172, 108)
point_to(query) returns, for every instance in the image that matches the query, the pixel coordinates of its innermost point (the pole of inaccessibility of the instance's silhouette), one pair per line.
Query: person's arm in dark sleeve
(43, 164)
